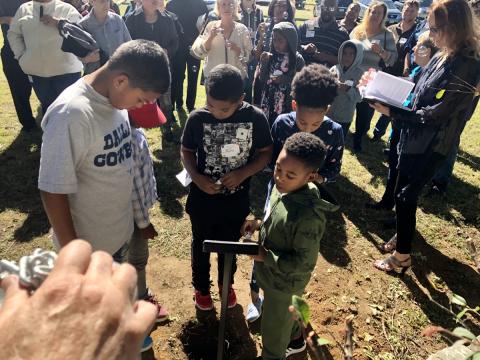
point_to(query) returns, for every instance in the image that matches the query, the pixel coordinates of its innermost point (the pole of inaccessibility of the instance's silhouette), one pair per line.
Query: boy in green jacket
(290, 235)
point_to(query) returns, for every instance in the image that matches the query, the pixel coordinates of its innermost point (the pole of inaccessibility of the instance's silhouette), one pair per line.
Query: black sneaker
(295, 347)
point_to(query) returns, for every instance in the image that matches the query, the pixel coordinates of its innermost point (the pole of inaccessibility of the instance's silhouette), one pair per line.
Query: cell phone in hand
(41, 11)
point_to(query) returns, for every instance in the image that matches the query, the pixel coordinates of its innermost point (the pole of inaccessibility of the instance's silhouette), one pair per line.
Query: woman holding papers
(379, 52)
(440, 103)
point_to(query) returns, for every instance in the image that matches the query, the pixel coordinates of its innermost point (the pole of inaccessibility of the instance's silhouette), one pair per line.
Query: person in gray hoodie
(348, 72)
(277, 69)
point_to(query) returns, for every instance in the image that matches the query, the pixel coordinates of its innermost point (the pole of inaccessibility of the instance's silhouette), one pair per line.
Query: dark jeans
(345, 128)
(362, 123)
(183, 60)
(48, 88)
(388, 197)
(20, 88)
(409, 186)
(381, 126)
(213, 218)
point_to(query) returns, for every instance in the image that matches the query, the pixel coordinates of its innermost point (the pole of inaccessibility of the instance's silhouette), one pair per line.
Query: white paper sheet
(184, 178)
(388, 89)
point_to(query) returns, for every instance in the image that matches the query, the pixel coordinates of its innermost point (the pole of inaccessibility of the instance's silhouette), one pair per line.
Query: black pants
(408, 189)
(213, 218)
(183, 60)
(381, 126)
(20, 88)
(362, 123)
(388, 197)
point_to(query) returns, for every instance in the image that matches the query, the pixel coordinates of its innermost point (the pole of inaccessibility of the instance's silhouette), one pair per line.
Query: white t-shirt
(86, 153)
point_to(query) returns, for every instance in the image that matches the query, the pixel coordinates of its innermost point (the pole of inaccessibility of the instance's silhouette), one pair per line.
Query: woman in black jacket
(441, 100)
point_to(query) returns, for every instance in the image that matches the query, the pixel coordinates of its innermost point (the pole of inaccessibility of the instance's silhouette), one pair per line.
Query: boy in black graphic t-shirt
(223, 145)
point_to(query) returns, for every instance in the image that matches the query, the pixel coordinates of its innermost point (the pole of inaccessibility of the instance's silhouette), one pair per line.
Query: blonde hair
(235, 4)
(360, 32)
(455, 20)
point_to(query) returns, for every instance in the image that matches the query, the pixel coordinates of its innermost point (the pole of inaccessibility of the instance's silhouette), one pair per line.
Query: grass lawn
(390, 311)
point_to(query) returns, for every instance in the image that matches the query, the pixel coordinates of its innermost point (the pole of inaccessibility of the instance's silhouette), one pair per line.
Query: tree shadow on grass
(468, 159)
(19, 165)
(459, 196)
(368, 222)
(169, 189)
(457, 276)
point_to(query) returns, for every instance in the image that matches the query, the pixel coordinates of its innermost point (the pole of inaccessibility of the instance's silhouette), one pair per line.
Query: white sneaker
(254, 310)
(295, 347)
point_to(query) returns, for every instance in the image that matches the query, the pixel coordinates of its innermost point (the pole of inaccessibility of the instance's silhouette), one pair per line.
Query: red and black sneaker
(231, 298)
(203, 302)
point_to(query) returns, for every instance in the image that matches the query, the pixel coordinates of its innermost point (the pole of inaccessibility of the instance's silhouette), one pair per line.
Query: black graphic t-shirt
(225, 145)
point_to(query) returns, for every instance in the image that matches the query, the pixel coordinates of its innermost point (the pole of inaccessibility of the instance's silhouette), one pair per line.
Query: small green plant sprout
(301, 312)
(460, 333)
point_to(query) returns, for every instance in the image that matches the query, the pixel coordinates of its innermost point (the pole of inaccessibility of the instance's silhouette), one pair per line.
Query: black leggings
(408, 189)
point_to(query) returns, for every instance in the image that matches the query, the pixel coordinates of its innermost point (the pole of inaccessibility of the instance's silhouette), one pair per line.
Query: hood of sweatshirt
(358, 56)
(313, 197)
(287, 30)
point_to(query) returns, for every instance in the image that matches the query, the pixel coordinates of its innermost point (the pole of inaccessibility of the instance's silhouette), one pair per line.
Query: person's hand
(262, 28)
(309, 48)
(149, 232)
(233, 179)
(87, 307)
(214, 31)
(382, 109)
(265, 57)
(367, 77)
(49, 21)
(320, 56)
(234, 47)
(376, 48)
(250, 226)
(5, 20)
(276, 79)
(262, 254)
(406, 72)
(343, 87)
(206, 184)
(94, 56)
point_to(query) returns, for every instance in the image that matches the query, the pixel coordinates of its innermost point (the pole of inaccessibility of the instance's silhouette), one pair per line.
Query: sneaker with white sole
(254, 310)
(203, 302)
(147, 344)
(296, 346)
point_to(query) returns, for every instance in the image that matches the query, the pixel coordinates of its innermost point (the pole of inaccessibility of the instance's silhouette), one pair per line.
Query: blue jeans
(345, 128)
(48, 88)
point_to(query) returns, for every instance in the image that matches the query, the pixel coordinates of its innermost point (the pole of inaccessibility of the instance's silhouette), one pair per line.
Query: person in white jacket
(224, 41)
(36, 44)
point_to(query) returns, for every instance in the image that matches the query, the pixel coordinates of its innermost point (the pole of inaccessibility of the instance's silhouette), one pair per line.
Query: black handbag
(381, 63)
(75, 39)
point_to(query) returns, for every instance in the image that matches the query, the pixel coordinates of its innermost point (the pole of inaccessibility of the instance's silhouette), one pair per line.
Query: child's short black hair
(314, 86)
(307, 148)
(145, 63)
(350, 45)
(225, 83)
